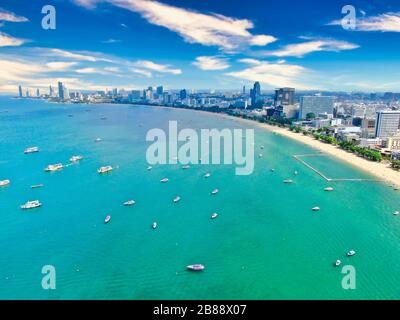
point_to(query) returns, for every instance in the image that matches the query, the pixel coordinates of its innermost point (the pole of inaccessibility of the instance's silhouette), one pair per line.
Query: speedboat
(214, 192)
(316, 209)
(396, 213)
(328, 189)
(37, 186)
(177, 199)
(104, 169)
(165, 180)
(107, 219)
(186, 167)
(31, 205)
(154, 226)
(207, 175)
(54, 167)
(149, 168)
(4, 183)
(31, 150)
(338, 263)
(351, 253)
(287, 181)
(129, 203)
(214, 216)
(75, 158)
(196, 267)
(98, 140)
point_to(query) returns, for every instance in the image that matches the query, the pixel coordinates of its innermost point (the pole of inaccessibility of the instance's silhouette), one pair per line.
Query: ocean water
(265, 244)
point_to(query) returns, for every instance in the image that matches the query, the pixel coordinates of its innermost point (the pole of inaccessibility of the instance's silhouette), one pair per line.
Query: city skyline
(132, 43)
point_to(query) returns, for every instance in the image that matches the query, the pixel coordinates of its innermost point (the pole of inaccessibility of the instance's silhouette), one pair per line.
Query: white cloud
(163, 68)
(10, 41)
(211, 63)
(314, 45)
(60, 65)
(386, 22)
(207, 29)
(11, 16)
(142, 72)
(82, 56)
(111, 41)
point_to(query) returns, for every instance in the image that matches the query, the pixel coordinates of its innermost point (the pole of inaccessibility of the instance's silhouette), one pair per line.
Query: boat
(260, 155)
(396, 213)
(186, 167)
(338, 263)
(54, 167)
(262, 147)
(214, 192)
(107, 219)
(75, 158)
(177, 199)
(98, 140)
(296, 173)
(196, 267)
(287, 181)
(31, 150)
(104, 169)
(103, 118)
(214, 216)
(328, 189)
(31, 205)
(272, 170)
(165, 180)
(154, 226)
(316, 209)
(37, 186)
(207, 175)
(351, 253)
(149, 168)
(4, 183)
(129, 203)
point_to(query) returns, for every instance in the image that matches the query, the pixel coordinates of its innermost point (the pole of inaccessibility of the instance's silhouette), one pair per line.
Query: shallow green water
(265, 244)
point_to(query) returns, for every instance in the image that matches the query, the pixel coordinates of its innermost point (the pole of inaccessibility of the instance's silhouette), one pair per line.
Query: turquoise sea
(265, 244)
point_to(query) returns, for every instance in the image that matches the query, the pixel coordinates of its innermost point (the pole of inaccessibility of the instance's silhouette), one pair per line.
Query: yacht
(104, 169)
(165, 180)
(272, 170)
(207, 175)
(31, 150)
(4, 183)
(154, 226)
(107, 219)
(36, 186)
(186, 167)
(149, 168)
(328, 189)
(98, 140)
(129, 203)
(196, 267)
(396, 213)
(214, 192)
(288, 181)
(351, 253)
(214, 216)
(177, 199)
(316, 209)
(260, 155)
(54, 167)
(31, 205)
(75, 158)
(338, 263)
(296, 173)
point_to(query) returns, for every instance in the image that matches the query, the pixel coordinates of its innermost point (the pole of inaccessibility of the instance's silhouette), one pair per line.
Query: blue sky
(217, 44)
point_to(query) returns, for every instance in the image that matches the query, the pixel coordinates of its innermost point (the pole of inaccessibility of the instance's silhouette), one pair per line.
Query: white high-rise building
(316, 105)
(387, 123)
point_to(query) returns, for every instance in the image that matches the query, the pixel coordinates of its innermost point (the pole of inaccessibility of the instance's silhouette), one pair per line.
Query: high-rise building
(51, 91)
(20, 91)
(60, 90)
(115, 92)
(387, 123)
(316, 105)
(66, 93)
(284, 97)
(255, 94)
(244, 90)
(160, 91)
(37, 92)
(183, 94)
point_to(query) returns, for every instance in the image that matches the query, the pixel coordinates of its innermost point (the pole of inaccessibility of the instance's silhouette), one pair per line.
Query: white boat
(296, 173)
(36, 186)
(165, 180)
(186, 167)
(75, 158)
(351, 253)
(262, 147)
(260, 155)
(207, 175)
(214, 216)
(214, 192)
(129, 203)
(154, 226)
(338, 263)
(98, 140)
(31, 150)
(396, 213)
(54, 167)
(107, 219)
(4, 183)
(316, 209)
(104, 169)
(328, 189)
(287, 181)
(196, 267)
(272, 170)
(31, 205)
(149, 168)
(177, 199)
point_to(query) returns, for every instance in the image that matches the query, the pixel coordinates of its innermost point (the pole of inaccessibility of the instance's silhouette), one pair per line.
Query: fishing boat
(104, 169)
(207, 175)
(288, 181)
(36, 186)
(75, 158)
(165, 180)
(107, 219)
(31, 205)
(154, 226)
(4, 183)
(177, 199)
(129, 203)
(214, 192)
(31, 150)
(54, 167)
(338, 263)
(214, 216)
(351, 253)
(328, 189)
(196, 267)
(316, 209)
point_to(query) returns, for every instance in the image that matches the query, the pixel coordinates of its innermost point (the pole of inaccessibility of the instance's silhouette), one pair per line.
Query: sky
(202, 44)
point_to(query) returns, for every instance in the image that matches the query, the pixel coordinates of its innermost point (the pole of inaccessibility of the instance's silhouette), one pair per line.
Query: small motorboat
(288, 181)
(129, 203)
(98, 140)
(4, 183)
(149, 168)
(214, 192)
(185, 167)
(214, 216)
(75, 158)
(36, 186)
(165, 180)
(31, 205)
(31, 150)
(338, 263)
(260, 155)
(154, 226)
(328, 189)
(396, 213)
(104, 169)
(316, 209)
(207, 175)
(196, 267)
(351, 253)
(296, 173)
(177, 199)
(54, 167)
(272, 170)
(107, 219)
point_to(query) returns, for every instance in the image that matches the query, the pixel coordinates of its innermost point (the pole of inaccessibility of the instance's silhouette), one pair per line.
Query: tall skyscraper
(20, 91)
(51, 91)
(244, 90)
(160, 91)
(255, 94)
(183, 94)
(37, 93)
(284, 97)
(387, 123)
(316, 105)
(60, 90)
